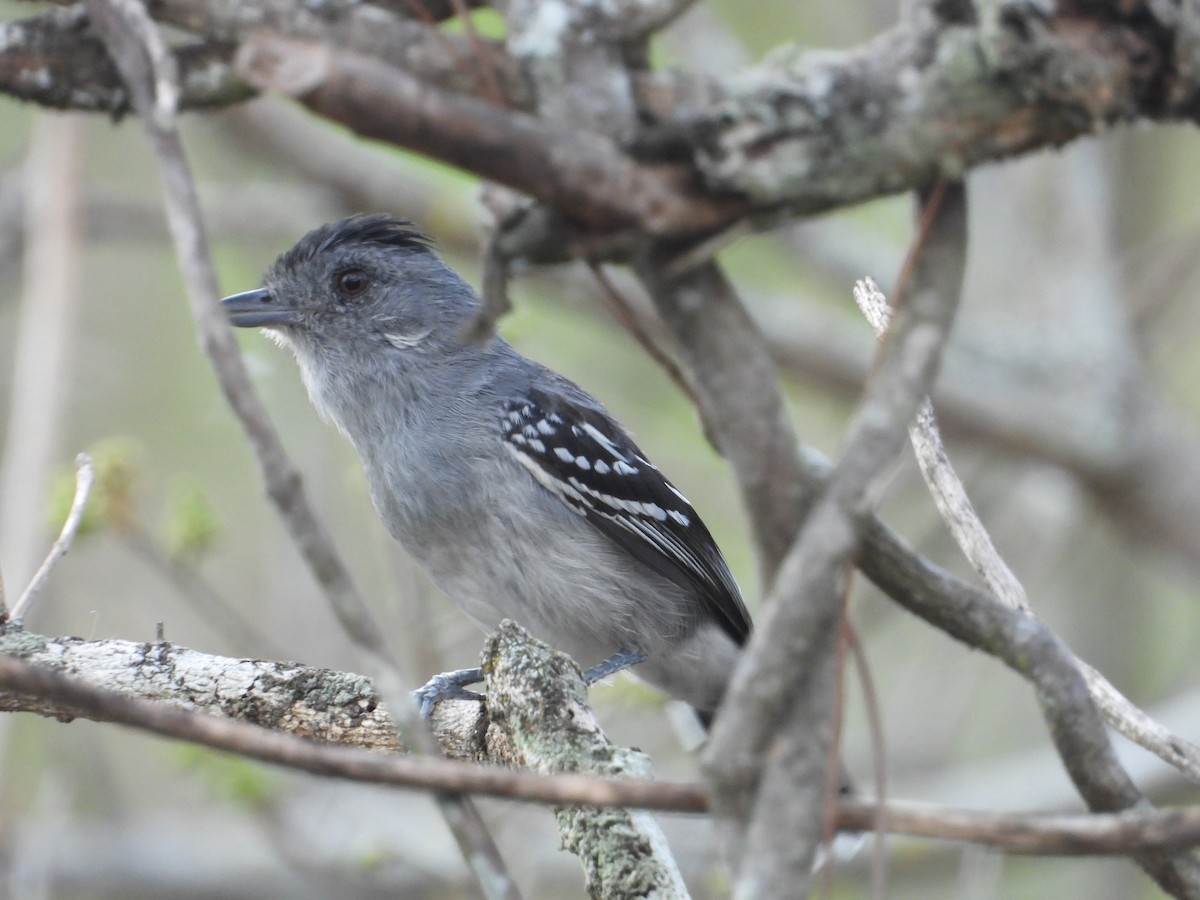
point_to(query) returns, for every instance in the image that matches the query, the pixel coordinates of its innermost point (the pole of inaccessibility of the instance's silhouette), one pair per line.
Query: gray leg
(622, 659)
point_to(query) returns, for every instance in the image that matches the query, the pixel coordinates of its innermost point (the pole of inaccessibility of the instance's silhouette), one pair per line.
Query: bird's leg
(447, 686)
(622, 659)
(453, 685)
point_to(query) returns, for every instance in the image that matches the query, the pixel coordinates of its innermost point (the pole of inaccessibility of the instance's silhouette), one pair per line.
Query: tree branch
(580, 173)
(65, 678)
(817, 129)
(57, 60)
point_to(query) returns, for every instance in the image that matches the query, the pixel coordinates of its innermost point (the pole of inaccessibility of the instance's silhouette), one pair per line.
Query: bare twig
(496, 303)
(423, 772)
(879, 854)
(84, 476)
(623, 311)
(956, 509)
(944, 484)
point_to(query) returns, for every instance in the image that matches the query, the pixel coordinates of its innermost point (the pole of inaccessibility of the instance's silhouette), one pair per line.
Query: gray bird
(511, 485)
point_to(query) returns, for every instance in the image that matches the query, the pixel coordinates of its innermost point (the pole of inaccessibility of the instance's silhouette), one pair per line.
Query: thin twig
(879, 855)
(948, 491)
(628, 317)
(835, 774)
(495, 303)
(950, 498)
(85, 476)
(776, 693)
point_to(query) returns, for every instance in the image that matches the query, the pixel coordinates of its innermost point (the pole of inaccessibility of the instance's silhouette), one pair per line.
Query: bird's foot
(447, 686)
(622, 659)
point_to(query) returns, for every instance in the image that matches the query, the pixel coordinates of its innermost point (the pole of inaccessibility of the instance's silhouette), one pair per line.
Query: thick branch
(537, 718)
(583, 174)
(342, 707)
(56, 60)
(813, 130)
(805, 132)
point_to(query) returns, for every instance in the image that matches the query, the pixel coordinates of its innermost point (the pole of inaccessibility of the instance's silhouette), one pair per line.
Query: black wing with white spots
(585, 459)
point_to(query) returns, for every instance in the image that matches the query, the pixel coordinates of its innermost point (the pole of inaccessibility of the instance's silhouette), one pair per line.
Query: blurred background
(1079, 314)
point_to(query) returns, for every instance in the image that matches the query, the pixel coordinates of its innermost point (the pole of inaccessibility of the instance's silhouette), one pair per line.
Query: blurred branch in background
(45, 343)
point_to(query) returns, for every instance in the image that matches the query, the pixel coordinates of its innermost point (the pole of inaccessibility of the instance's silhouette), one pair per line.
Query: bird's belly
(571, 588)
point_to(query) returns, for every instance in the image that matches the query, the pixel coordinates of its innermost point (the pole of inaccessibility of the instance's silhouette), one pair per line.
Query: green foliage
(191, 524)
(234, 779)
(488, 24)
(114, 461)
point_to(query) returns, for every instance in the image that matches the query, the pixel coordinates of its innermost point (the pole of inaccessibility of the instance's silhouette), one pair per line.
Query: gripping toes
(447, 686)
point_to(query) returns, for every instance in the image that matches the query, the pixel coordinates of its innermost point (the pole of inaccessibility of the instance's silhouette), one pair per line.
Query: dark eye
(351, 282)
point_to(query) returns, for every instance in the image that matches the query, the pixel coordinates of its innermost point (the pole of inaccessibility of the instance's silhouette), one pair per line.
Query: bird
(513, 487)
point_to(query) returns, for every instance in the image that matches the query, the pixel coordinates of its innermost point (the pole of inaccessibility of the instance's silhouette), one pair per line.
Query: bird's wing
(583, 457)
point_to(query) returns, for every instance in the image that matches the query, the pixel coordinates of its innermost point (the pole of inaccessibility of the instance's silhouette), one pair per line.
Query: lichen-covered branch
(801, 132)
(536, 718)
(57, 60)
(814, 129)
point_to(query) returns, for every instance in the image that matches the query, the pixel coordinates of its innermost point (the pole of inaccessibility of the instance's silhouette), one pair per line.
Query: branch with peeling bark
(769, 144)
(230, 703)
(537, 719)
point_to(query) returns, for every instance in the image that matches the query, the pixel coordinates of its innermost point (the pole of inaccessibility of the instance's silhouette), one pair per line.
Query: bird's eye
(351, 282)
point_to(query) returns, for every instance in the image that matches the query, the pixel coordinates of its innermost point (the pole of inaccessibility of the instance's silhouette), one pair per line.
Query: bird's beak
(258, 309)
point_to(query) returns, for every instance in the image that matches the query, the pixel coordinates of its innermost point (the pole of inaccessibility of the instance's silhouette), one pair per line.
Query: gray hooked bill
(257, 309)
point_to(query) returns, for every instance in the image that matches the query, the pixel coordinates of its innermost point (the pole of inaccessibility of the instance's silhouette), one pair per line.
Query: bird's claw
(447, 686)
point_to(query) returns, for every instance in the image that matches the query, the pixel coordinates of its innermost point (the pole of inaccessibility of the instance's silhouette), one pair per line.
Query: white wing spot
(655, 511)
(602, 439)
(572, 498)
(564, 454)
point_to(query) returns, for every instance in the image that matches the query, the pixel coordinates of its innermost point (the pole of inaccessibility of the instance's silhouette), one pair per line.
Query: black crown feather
(383, 230)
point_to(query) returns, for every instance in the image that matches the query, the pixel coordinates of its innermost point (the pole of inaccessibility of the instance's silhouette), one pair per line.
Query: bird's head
(364, 285)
